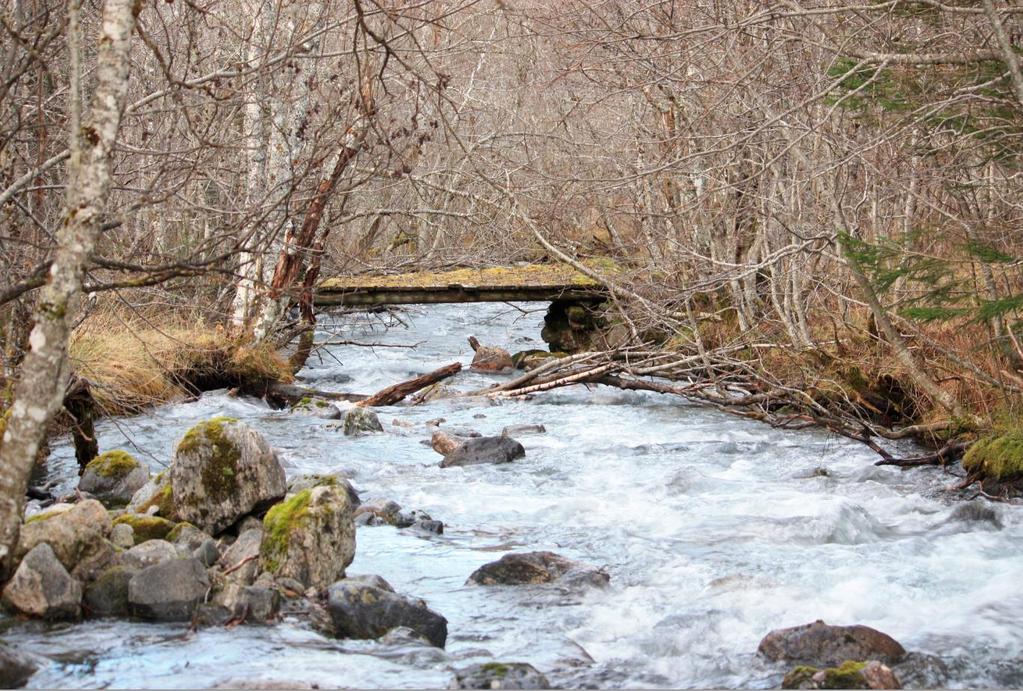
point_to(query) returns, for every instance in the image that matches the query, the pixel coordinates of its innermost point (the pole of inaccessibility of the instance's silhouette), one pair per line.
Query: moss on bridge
(496, 277)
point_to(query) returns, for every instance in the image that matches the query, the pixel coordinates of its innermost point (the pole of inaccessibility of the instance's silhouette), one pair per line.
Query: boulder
(168, 591)
(15, 668)
(249, 603)
(500, 675)
(318, 408)
(309, 537)
(360, 610)
(42, 587)
(240, 562)
(99, 558)
(489, 358)
(107, 596)
(144, 527)
(187, 536)
(223, 469)
(208, 553)
(148, 554)
(976, 512)
(848, 675)
(530, 568)
(484, 450)
(156, 497)
(74, 533)
(361, 421)
(824, 645)
(114, 477)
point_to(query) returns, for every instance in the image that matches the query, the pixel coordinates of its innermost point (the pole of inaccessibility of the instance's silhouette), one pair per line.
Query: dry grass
(132, 362)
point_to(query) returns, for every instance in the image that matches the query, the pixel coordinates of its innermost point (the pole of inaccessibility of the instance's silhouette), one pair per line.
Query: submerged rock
(976, 512)
(530, 568)
(42, 587)
(168, 591)
(360, 610)
(827, 646)
(15, 668)
(74, 533)
(849, 675)
(114, 477)
(922, 671)
(513, 430)
(107, 596)
(500, 675)
(484, 450)
(223, 469)
(361, 421)
(489, 358)
(310, 537)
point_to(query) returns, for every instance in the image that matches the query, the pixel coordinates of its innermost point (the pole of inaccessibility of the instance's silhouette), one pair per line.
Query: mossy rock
(997, 457)
(223, 470)
(310, 536)
(851, 674)
(114, 477)
(146, 527)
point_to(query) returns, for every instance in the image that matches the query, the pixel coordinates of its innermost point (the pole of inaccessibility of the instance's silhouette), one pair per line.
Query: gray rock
(187, 536)
(113, 478)
(516, 430)
(387, 510)
(207, 552)
(530, 568)
(253, 523)
(73, 534)
(370, 579)
(249, 603)
(148, 554)
(169, 591)
(15, 668)
(242, 558)
(361, 421)
(123, 536)
(42, 587)
(484, 450)
(500, 675)
(301, 482)
(317, 407)
(107, 596)
(310, 537)
(358, 610)
(922, 671)
(976, 512)
(823, 645)
(100, 557)
(155, 497)
(223, 469)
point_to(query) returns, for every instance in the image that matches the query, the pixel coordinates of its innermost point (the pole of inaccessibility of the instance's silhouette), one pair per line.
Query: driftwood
(396, 392)
(290, 394)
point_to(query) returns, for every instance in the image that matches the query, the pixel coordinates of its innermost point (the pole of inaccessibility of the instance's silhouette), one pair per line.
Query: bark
(44, 373)
(396, 392)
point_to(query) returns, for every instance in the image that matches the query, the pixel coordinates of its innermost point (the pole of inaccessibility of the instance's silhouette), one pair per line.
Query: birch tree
(44, 373)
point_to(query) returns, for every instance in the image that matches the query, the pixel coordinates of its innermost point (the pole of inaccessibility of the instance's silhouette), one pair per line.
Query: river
(714, 530)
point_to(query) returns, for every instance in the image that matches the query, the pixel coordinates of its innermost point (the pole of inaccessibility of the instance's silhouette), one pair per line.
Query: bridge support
(573, 326)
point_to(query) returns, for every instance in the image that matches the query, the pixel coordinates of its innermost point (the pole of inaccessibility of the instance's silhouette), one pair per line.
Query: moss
(114, 463)
(530, 275)
(496, 668)
(998, 457)
(42, 516)
(146, 527)
(163, 500)
(848, 675)
(278, 524)
(221, 468)
(798, 676)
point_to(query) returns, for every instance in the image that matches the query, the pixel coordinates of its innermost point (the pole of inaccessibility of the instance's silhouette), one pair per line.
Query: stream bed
(714, 531)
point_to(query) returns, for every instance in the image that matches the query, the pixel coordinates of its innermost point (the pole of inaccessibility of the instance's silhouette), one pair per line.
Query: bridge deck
(544, 282)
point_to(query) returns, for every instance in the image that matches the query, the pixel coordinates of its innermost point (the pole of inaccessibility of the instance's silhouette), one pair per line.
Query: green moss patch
(176, 531)
(163, 500)
(114, 463)
(998, 457)
(278, 524)
(43, 516)
(496, 668)
(146, 527)
(219, 472)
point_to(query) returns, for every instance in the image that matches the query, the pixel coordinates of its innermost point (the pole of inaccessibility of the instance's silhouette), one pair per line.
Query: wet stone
(169, 591)
(500, 675)
(823, 645)
(358, 610)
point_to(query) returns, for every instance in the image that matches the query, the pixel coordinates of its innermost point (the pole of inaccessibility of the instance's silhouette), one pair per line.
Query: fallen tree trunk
(396, 392)
(290, 394)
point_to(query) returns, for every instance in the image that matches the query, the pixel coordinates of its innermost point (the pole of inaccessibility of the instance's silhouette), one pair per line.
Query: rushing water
(714, 529)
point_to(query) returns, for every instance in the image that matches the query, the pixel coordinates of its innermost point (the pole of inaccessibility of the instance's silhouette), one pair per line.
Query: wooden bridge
(529, 282)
